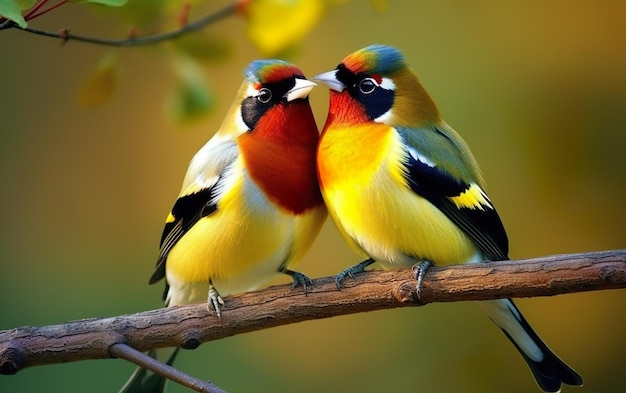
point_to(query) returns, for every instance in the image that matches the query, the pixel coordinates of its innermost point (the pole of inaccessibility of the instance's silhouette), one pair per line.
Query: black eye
(367, 85)
(265, 95)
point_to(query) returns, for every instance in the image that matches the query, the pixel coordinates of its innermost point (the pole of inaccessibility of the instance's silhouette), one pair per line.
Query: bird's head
(374, 84)
(274, 93)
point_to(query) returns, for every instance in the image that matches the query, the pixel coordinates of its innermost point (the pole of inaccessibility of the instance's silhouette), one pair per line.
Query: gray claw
(299, 279)
(215, 300)
(419, 270)
(351, 271)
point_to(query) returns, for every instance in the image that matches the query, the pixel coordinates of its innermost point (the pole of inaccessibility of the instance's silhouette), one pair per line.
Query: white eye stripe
(387, 84)
(251, 91)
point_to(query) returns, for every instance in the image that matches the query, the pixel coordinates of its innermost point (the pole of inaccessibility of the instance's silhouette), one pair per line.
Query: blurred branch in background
(132, 39)
(189, 326)
(276, 28)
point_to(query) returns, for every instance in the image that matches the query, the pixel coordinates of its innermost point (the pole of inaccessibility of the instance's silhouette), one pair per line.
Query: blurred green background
(538, 90)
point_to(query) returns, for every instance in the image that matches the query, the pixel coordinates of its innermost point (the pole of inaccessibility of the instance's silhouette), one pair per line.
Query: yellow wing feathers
(472, 198)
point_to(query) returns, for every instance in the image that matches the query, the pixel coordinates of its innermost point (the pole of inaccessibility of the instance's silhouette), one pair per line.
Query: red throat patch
(279, 155)
(343, 108)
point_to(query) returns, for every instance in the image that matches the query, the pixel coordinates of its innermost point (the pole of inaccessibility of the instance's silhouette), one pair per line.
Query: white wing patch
(420, 157)
(230, 177)
(208, 163)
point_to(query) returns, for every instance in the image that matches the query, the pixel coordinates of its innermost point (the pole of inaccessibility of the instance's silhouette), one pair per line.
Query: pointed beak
(301, 89)
(330, 80)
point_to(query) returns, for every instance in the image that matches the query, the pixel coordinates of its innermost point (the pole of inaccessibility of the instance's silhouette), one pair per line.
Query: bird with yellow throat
(403, 188)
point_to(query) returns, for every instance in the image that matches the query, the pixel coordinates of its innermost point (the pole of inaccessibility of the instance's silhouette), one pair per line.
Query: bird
(250, 205)
(403, 188)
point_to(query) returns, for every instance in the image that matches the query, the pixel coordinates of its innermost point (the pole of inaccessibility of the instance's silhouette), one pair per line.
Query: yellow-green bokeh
(538, 90)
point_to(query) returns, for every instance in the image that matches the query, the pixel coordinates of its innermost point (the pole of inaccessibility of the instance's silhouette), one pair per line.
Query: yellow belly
(397, 227)
(240, 246)
(375, 210)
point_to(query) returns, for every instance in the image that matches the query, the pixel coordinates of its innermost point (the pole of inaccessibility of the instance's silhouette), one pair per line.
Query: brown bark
(189, 326)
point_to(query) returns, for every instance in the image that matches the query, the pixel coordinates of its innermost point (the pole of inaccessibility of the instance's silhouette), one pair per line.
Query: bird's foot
(419, 270)
(299, 279)
(351, 271)
(214, 301)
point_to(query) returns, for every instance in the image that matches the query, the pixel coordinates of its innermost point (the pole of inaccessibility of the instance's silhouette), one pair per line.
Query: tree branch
(189, 326)
(65, 34)
(124, 351)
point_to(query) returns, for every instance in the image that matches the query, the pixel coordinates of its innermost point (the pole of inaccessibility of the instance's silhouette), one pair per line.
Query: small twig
(36, 7)
(132, 40)
(183, 16)
(124, 351)
(32, 14)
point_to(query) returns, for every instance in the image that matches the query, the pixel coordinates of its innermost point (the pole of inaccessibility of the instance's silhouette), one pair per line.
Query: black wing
(482, 223)
(187, 211)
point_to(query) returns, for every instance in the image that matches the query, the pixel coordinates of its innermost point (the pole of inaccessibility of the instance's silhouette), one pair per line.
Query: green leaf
(192, 99)
(11, 10)
(110, 3)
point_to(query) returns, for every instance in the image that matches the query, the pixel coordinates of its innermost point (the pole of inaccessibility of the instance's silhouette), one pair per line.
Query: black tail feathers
(550, 372)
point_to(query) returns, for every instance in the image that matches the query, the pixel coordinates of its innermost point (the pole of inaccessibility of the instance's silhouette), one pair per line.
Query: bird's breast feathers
(353, 154)
(284, 172)
(246, 233)
(363, 178)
